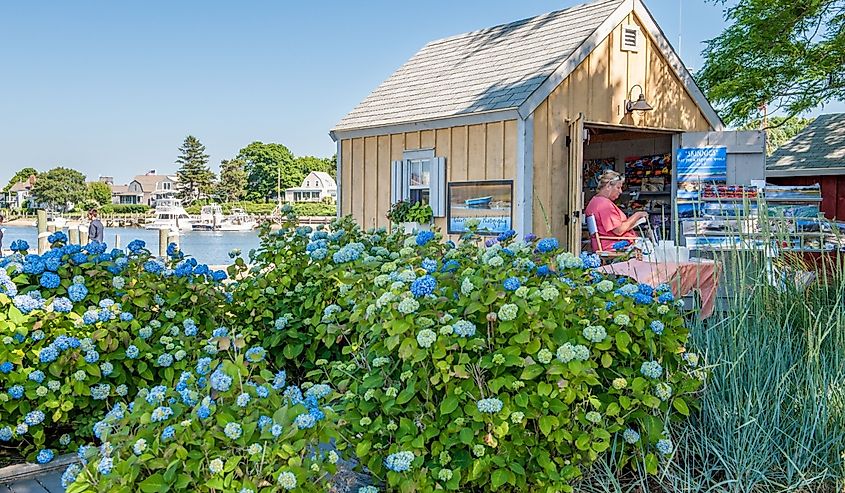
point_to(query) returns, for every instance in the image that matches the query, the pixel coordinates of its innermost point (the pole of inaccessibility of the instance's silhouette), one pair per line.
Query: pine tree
(195, 177)
(232, 184)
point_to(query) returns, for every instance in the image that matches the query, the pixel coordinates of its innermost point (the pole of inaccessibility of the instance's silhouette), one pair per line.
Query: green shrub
(342, 304)
(124, 209)
(266, 208)
(67, 334)
(229, 429)
(494, 387)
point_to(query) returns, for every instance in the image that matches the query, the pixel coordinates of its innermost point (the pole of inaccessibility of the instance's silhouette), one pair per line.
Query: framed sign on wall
(490, 202)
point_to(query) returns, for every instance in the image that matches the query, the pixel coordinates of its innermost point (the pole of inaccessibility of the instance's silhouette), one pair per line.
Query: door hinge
(568, 141)
(566, 219)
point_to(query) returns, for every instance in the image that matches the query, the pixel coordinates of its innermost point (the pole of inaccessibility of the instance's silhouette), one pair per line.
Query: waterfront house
(20, 194)
(146, 188)
(501, 120)
(317, 186)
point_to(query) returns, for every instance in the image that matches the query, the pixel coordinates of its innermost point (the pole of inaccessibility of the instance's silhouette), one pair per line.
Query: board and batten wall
(598, 88)
(485, 151)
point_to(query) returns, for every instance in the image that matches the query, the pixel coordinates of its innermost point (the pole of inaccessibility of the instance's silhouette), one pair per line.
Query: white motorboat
(211, 218)
(169, 214)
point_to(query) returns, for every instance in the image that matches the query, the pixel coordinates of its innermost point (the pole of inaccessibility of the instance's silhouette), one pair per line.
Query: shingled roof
(818, 149)
(491, 69)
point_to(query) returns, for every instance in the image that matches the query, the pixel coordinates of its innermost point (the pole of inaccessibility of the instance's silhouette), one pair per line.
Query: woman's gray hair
(609, 177)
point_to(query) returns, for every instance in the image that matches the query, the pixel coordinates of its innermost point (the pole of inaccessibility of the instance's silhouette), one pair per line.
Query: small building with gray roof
(512, 108)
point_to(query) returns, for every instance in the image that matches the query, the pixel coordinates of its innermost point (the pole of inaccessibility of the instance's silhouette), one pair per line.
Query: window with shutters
(420, 177)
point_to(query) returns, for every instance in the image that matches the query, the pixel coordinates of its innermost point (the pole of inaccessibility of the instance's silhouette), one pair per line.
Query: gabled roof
(148, 182)
(819, 149)
(507, 67)
(21, 186)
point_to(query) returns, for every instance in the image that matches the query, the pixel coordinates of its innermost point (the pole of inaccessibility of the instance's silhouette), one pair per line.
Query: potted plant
(411, 217)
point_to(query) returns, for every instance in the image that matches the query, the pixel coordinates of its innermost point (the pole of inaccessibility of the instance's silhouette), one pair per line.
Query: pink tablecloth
(684, 277)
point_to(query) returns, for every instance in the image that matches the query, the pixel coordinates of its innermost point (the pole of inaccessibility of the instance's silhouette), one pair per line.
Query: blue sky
(112, 88)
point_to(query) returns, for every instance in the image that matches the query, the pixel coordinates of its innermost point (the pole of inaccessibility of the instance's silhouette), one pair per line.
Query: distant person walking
(1, 235)
(95, 229)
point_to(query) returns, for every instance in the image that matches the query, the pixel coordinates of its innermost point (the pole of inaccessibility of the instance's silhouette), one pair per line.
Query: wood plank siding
(598, 88)
(474, 152)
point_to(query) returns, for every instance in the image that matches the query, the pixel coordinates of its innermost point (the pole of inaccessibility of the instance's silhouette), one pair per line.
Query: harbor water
(209, 247)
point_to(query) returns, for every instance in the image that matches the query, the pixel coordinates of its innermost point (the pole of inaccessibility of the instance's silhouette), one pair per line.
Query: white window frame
(401, 179)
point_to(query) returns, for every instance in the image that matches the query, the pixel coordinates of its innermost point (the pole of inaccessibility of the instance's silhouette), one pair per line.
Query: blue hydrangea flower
(512, 284)
(547, 245)
(506, 235)
(164, 360)
(19, 246)
(490, 405)
(657, 327)
(220, 381)
(642, 299)
(651, 369)
(203, 412)
(48, 354)
(279, 380)
(136, 246)
(16, 391)
(400, 461)
(44, 456)
(424, 237)
(50, 280)
(463, 328)
(100, 391)
(305, 421)
(255, 354)
(7, 367)
(62, 305)
(92, 356)
(666, 297)
(429, 265)
(168, 433)
(34, 418)
(423, 286)
(37, 376)
(664, 446)
(630, 436)
(77, 292)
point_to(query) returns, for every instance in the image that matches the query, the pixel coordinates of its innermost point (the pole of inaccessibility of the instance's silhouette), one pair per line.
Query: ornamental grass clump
(114, 322)
(229, 424)
(510, 370)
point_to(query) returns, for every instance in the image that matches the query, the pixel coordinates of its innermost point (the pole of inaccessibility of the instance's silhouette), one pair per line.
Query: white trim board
(445, 122)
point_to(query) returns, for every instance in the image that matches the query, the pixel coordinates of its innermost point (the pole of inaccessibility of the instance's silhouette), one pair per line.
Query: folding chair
(609, 255)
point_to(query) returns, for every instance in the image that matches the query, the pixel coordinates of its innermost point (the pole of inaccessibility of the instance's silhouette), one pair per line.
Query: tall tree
(779, 130)
(264, 163)
(232, 184)
(99, 192)
(20, 176)
(59, 188)
(307, 164)
(785, 54)
(195, 177)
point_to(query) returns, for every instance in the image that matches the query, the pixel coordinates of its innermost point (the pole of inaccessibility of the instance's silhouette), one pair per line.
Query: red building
(815, 155)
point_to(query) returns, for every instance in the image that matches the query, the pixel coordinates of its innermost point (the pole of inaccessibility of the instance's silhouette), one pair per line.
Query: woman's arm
(628, 224)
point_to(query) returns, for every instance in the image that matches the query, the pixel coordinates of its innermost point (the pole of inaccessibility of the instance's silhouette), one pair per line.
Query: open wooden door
(575, 203)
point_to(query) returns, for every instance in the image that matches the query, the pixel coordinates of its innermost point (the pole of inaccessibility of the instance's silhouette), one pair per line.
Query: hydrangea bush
(229, 424)
(83, 328)
(510, 369)
(288, 300)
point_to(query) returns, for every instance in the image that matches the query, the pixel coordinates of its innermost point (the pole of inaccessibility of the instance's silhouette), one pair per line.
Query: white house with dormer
(315, 187)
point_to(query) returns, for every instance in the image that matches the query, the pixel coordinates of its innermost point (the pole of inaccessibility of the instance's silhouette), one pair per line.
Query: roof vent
(631, 38)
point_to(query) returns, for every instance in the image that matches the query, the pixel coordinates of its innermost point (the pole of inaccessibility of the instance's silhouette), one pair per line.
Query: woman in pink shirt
(610, 220)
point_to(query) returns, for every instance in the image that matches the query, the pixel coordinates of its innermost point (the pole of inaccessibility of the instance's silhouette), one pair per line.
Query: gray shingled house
(494, 124)
(815, 155)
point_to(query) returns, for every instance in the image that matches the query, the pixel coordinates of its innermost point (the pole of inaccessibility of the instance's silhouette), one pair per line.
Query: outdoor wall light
(640, 104)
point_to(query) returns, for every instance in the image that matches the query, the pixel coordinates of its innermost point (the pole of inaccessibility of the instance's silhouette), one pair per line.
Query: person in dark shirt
(1, 235)
(95, 229)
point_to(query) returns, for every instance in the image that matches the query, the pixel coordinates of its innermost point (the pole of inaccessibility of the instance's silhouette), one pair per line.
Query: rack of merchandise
(649, 182)
(782, 219)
